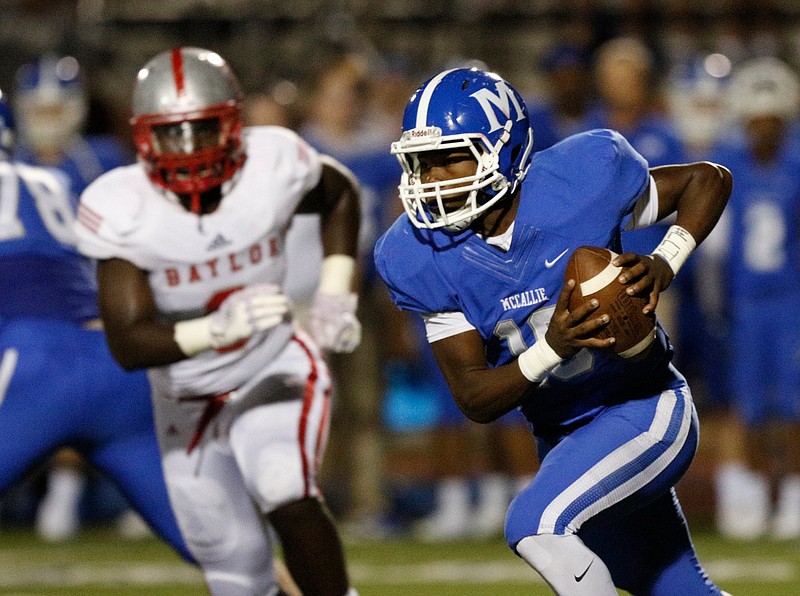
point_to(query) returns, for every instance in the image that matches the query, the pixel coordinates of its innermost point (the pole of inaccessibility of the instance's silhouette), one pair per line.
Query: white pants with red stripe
(229, 459)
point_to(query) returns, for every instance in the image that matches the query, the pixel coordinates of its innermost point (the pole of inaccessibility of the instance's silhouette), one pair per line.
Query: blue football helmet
(50, 102)
(697, 99)
(6, 128)
(463, 107)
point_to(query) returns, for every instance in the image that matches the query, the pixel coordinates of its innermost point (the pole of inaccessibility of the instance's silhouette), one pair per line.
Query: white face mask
(51, 125)
(418, 196)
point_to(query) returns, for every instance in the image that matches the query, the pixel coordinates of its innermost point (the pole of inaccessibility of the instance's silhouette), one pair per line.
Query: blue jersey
(44, 276)
(60, 384)
(762, 283)
(579, 192)
(763, 222)
(84, 160)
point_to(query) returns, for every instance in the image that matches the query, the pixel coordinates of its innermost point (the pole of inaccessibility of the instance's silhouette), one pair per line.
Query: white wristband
(337, 274)
(193, 336)
(676, 247)
(537, 361)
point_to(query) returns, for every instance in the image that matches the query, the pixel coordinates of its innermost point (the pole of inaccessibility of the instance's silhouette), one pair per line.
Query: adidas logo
(218, 242)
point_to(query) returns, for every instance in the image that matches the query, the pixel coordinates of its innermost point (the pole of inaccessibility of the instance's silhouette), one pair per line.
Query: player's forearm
(145, 345)
(486, 395)
(703, 199)
(340, 226)
(340, 211)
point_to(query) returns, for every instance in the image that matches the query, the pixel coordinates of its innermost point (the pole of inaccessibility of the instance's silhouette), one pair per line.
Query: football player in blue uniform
(481, 256)
(51, 105)
(760, 242)
(59, 384)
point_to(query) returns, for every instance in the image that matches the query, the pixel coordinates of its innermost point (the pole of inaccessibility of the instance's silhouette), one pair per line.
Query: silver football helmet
(187, 121)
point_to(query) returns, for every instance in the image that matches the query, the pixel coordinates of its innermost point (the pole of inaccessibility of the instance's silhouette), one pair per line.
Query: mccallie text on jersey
(526, 298)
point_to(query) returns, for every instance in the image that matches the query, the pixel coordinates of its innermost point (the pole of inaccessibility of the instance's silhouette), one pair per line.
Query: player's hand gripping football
(571, 331)
(333, 323)
(246, 312)
(644, 274)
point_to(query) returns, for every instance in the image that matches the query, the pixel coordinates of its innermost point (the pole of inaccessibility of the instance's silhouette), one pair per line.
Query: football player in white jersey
(190, 243)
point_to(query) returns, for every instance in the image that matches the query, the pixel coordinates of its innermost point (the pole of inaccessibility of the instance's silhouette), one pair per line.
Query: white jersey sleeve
(109, 214)
(445, 324)
(645, 212)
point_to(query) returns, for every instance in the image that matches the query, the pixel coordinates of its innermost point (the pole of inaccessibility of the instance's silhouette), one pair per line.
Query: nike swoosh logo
(549, 264)
(580, 577)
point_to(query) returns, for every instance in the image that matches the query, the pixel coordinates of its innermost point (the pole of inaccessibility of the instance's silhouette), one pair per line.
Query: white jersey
(194, 262)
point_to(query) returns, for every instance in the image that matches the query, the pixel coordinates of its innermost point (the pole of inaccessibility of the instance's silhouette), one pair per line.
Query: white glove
(243, 313)
(333, 323)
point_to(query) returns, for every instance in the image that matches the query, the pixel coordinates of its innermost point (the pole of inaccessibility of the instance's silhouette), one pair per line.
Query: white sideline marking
(140, 574)
(437, 572)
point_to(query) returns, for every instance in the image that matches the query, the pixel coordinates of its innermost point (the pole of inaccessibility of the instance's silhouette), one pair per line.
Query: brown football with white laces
(596, 278)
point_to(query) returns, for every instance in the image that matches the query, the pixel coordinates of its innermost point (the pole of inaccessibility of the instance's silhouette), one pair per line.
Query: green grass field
(99, 563)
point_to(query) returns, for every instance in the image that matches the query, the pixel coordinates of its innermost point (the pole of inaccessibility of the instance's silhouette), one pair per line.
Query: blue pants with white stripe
(611, 482)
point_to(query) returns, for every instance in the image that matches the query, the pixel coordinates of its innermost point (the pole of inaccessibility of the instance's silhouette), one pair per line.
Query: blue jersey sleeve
(586, 185)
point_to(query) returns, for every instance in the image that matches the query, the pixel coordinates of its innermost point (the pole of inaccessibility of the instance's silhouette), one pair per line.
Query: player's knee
(278, 476)
(205, 516)
(522, 519)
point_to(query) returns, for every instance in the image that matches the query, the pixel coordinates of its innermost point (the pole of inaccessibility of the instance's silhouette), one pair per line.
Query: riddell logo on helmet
(418, 133)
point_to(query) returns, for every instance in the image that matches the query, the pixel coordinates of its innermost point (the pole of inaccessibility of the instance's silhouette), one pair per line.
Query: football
(596, 277)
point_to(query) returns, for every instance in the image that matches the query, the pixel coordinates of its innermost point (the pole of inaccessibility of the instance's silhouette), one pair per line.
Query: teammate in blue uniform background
(59, 385)
(51, 105)
(760, 255)
(481, 256)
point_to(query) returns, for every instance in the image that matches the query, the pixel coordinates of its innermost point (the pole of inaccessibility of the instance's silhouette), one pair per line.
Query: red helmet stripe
(177, 69)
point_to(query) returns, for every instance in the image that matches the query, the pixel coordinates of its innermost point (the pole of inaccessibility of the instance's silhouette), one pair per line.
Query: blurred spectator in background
(696, 98)
(759, 237)
(341, 122)
(562, 110)
(274, 105)
(59, 384)
(51, 106)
